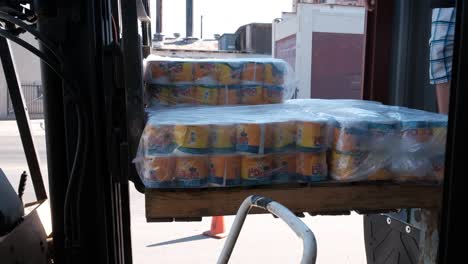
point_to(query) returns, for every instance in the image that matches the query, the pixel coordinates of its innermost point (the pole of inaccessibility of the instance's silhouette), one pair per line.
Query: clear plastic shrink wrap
(300, 141)
(246, 81)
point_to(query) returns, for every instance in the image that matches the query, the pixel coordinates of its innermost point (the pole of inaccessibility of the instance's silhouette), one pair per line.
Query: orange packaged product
(311, 167)
(159, 171)
(191, 171)
(255, 138)
(284, 167)
(224, 170)
(256, 169)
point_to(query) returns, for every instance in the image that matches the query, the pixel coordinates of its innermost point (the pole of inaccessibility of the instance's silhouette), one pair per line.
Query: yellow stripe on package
(206, 95)
(311, 136)
(223, 138)
(254, 138)
(284, 135)
(192, 139)
(311, 167)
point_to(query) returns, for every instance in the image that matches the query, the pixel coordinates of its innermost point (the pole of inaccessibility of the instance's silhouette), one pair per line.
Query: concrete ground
(263, 239)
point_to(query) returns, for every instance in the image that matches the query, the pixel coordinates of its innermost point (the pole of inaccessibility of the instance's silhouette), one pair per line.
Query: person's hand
(369, 4)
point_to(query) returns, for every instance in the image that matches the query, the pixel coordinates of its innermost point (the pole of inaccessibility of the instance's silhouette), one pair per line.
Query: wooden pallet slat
(320, 198)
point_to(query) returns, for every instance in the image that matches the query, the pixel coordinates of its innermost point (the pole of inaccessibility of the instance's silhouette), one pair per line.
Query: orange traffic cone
(217, 228)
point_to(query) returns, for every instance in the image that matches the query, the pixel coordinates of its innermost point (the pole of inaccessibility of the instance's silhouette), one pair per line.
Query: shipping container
(325, 46)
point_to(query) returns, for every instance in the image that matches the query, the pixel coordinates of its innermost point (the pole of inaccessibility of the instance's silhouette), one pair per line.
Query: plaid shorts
(441, 45)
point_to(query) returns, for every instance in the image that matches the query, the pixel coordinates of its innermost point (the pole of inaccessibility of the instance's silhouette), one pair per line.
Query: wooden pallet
(321, 198)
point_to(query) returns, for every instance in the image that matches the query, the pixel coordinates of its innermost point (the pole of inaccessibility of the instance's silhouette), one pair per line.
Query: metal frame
(378, 41)
(409, 74)
(27, 242)
(453, 205)
(22, 117)
(100, 217)
(309, 243)
(133, 83)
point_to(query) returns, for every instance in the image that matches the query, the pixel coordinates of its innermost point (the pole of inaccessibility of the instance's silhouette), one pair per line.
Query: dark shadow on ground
(179, 240)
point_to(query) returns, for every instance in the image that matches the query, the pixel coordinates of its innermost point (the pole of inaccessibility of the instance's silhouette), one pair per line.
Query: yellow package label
(206, 95)
(162, 93)
(284, 163)
(228, 95)
(159, 69)
(223, 138)
(284, 135)
(311, 135)
(273, 94)
(183, 94)
(181, 71)
(311, 164)
(227, 167)
(253, 72)
(254, 138)
(192, 139)
(165, 95)
(204, 71)
(160, 168)
(252, 95)
(228, 74)
(256, 167)
(192, 167)
(159, 139)
(349, 139)
(274, 73)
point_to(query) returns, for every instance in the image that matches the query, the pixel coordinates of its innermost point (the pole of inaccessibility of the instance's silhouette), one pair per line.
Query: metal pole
(54, 132)
(189, 18)
(309, 253)
(22, 118)
(201, 27)
(159, 16)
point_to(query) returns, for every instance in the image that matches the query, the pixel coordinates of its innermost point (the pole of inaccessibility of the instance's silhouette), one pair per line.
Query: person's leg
(443, 97)
(441, 52)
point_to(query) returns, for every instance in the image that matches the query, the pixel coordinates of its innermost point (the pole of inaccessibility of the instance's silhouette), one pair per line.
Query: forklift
(91, 62)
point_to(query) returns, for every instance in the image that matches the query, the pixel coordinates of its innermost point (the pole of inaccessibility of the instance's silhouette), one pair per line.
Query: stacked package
(251, 81)
(298, 141)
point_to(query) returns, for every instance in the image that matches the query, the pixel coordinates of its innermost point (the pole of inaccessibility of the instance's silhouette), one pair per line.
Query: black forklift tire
(389, 239)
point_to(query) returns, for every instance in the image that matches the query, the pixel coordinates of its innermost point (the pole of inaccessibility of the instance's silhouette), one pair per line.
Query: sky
(219, 16)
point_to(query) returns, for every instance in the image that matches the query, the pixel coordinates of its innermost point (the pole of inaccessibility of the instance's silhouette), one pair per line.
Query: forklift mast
(104, 66)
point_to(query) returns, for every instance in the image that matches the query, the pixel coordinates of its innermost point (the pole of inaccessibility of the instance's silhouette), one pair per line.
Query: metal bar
(22, 118)
(54, 130)
(142, 11)
(409, 75)
(132, 62)
(309, 253)
(376, 79)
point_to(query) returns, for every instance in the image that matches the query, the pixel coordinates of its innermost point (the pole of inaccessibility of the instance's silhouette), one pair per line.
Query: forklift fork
(309, 253)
